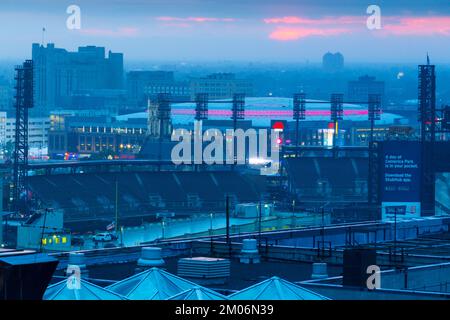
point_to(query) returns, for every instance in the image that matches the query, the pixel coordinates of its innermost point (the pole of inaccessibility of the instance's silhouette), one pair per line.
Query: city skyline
(286, 31)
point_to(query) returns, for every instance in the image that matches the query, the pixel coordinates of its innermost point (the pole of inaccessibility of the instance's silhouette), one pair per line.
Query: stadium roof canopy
(198, 293)
(87, 291)
(276, 289)
(152, 284)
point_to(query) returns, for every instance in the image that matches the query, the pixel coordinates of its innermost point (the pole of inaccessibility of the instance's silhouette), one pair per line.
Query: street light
(163, 225)
(211, 232)
(294, 222)
(211, 223)
(259, 225)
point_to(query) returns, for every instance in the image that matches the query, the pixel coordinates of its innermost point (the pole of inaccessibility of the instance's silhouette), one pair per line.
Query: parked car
(104, 237)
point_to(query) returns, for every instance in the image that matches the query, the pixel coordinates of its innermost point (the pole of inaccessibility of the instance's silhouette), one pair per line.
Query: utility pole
(211, 233)
(323, 227)
(116, 226)
(43, 228)
(395, 230)
(294, 220)
(259, 226)
(227, 208)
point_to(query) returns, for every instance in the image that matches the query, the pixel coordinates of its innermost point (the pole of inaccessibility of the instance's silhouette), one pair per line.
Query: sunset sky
(263, 30)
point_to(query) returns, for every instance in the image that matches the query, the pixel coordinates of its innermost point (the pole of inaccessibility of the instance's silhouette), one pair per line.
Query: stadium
(88, 191)
(261, 110)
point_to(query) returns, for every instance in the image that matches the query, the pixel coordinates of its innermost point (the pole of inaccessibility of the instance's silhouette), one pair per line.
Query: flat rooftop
(242, 275)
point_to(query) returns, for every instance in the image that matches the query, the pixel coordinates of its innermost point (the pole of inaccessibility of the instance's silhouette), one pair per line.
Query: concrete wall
(342, 235)
(435, 277)
(429, 282)
(338, 292)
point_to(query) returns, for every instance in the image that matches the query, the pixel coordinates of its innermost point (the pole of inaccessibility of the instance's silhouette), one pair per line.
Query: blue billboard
(400, 171)
(400, 178)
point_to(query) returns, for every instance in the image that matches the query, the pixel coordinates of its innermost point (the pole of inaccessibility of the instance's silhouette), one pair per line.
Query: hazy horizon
(246, 31)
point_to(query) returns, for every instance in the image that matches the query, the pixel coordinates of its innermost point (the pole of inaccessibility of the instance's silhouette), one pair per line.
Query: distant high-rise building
(333, 62)
(178, 90)
(220, 86)
(139, 81)
(359, 90)
(37, 131)
(5, 98)
(59, 74)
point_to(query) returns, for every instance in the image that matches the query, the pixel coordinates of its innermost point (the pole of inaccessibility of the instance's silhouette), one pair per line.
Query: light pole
(259, 225)
(323, 227)
(294, 223)
(46, 210)
(211, 233)
(163, 225)
(395, 230)
(211, 224)
(121, 236)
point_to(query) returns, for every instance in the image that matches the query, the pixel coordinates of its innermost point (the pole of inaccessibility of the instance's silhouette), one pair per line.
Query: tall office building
(59, 74)
(220, 86)
(6, 98)
(333, 62)
(359, 90)
(138, 81)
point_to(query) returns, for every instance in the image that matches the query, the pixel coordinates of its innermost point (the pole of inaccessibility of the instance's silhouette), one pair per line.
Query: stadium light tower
(374, 112)
(298, 113)
(238, 108)
(337, 113)
(23, 101)
(427, 101)
(201, 106)
(163, 114)
(427, 119)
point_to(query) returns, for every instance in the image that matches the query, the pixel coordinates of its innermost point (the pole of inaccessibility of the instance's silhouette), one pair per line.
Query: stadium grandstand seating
(92, 196)
(328, 179)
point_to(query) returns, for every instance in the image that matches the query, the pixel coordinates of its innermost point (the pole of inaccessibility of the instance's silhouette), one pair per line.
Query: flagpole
(43, 35)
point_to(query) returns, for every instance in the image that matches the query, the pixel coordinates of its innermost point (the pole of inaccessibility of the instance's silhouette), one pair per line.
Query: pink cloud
(318, 21)
(120, 32)
(194, 19)
(177, 25)
(434, 25)
(290, 28)
(296, 33)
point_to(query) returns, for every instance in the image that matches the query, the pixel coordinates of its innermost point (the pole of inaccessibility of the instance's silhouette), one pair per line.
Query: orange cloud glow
(296, 33)
(319, 21)
(434, 25)
(194, 19)
(290, 28)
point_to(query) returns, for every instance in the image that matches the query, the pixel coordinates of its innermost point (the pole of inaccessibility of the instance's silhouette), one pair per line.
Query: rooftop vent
(150, 257)
(319, 271)
(204, 270)
(249, 253)
(77, 264)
